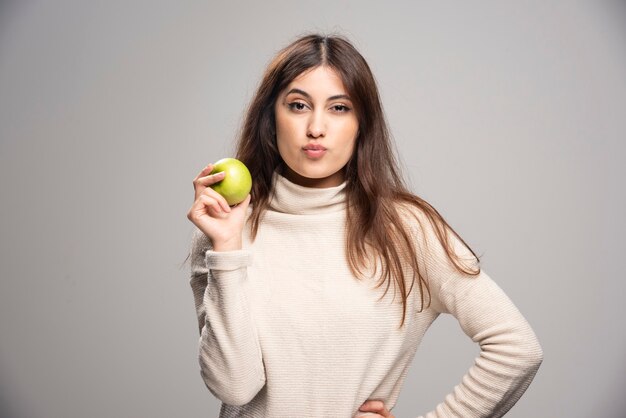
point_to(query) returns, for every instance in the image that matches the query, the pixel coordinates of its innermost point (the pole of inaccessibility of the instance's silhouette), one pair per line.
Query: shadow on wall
(10, 405)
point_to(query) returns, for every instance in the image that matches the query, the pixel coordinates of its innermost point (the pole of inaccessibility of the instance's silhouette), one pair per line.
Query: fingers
(206, 179)
(206, 170)
(208, 200)
(377, 407)
(201, 187)
(210, 179)
(217, 197)
(207, 204)
(213, 206)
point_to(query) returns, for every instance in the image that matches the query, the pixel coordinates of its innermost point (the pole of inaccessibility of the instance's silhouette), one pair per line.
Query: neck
(333, 180)
(292, 198)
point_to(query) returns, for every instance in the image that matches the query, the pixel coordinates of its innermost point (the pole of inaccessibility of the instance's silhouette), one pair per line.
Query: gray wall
(509, 118)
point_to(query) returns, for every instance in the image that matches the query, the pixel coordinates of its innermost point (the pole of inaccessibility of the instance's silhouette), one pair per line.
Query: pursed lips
(314, 150)
(315, 147)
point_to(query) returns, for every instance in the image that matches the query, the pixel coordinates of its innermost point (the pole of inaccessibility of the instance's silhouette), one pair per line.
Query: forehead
(319, 79)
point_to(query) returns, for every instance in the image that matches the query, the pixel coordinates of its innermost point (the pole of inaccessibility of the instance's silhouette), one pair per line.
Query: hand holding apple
(237, 181)
(213, 215)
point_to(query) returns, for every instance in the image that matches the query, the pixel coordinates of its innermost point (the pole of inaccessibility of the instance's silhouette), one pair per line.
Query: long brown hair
(375, 190)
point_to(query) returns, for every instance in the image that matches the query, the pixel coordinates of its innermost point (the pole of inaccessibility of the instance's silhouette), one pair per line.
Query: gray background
(509, 118)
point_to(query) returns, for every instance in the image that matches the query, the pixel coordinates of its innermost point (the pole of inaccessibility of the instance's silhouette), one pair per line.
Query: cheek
(349, 134)
(350, 127)
(284, 141)
(350, 144)
(289, 132)
(349, 150)
(280, 143)
(281, 133)
(284, 126)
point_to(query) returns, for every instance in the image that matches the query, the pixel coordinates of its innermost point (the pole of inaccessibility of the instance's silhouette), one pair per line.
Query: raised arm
(229, 351)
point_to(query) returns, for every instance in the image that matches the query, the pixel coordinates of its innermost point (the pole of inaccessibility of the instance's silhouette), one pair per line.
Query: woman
(313, 299)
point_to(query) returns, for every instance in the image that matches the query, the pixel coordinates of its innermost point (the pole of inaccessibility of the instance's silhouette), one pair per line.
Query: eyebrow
(308, 96)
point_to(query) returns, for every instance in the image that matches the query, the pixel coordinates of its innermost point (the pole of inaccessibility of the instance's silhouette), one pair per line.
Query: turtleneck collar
(292, 198)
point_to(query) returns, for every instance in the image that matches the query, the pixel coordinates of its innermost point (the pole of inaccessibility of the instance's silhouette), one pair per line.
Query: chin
(316, 175)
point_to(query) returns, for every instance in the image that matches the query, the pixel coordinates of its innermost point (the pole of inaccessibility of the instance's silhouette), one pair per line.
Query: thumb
(243, 206)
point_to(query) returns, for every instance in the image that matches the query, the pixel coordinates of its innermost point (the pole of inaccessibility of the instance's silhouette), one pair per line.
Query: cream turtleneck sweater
(287, 331)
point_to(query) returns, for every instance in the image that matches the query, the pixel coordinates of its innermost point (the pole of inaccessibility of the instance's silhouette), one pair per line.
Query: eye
(340, 108)
(297, 106)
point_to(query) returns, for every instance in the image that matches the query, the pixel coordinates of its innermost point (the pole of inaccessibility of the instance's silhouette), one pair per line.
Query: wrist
(228, 245)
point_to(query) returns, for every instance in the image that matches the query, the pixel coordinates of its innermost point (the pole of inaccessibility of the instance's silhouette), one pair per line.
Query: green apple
(236, 184)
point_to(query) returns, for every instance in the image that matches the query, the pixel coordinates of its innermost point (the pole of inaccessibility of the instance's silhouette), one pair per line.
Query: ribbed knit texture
(287, 331)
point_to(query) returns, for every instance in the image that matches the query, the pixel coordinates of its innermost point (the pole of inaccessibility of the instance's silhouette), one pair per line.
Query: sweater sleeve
(510, 354)
(230, 358)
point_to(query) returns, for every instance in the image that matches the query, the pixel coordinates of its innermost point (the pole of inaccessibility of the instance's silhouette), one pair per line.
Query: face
(316, 128)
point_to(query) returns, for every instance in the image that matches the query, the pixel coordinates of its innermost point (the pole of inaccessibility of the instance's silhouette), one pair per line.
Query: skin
(375, 409)
(212, 215)
(313, 109)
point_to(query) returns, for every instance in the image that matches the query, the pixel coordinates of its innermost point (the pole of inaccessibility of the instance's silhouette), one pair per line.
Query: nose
(317, 126)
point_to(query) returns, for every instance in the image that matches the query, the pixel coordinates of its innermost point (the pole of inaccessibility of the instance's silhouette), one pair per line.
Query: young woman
(313, 299)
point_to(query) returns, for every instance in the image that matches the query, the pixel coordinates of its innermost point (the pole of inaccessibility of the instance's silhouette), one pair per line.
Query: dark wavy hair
(375, 190)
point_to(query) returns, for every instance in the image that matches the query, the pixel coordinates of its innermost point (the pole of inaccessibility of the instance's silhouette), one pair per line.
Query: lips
(314, 151)
(314, 147)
